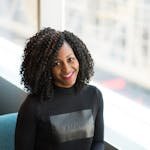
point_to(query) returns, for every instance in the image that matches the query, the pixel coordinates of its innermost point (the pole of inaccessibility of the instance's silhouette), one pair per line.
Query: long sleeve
(25, 127)
(98, 139)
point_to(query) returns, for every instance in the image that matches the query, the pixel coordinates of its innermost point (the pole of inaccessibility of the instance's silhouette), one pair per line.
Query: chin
(70, 85)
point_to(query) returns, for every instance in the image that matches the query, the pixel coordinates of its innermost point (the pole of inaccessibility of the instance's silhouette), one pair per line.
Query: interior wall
(11, 97)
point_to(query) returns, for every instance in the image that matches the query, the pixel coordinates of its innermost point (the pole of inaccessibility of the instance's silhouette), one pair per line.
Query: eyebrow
(70, 55)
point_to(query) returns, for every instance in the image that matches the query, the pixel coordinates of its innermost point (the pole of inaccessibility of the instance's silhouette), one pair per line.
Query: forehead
(65, 51)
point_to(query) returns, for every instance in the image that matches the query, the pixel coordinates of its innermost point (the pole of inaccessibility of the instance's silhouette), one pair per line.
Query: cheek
(55, 72)
(77, 65)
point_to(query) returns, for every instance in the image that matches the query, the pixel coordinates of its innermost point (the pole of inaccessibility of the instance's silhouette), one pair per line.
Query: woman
(62, 112)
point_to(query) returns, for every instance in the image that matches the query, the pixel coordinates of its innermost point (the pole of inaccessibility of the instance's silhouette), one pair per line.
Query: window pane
(18, 21)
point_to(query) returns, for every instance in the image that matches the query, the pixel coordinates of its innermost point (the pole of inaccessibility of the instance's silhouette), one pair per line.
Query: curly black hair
(39, 55)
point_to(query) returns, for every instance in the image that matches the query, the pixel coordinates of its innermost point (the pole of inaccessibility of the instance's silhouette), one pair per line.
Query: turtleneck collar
(65, 91)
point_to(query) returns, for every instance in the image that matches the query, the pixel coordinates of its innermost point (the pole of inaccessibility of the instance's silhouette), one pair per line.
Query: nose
(66, 68)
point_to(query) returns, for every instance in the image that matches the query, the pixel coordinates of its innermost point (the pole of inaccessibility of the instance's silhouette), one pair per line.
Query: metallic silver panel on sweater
(72, 126)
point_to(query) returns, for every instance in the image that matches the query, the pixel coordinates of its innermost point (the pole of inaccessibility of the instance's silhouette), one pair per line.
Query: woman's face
(66, 67)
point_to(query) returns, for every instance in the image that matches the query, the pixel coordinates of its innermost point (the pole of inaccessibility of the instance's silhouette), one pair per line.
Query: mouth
(68, 76)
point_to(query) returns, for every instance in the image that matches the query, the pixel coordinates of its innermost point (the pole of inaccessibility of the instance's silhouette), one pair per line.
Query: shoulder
(95, 92)
(30, 103)
(93, 89)
(31, 100)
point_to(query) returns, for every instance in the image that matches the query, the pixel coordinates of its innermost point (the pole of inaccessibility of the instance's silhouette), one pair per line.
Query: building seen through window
(18, 19)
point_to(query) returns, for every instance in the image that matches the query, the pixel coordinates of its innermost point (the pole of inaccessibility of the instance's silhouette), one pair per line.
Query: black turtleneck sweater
(71, 121)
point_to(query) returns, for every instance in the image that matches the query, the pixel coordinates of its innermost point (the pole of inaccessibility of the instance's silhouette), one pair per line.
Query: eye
(71, 59)
(56, 63)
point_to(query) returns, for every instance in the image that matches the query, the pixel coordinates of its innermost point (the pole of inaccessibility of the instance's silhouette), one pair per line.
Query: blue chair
(7, 131)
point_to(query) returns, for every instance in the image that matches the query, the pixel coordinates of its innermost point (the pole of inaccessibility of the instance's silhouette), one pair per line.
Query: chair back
(7, 131)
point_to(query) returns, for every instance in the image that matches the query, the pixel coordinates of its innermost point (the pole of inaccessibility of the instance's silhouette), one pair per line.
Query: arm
(25, 127)
(98, 139)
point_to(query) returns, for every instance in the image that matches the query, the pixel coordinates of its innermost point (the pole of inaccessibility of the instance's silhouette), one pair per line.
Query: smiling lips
(68, 76)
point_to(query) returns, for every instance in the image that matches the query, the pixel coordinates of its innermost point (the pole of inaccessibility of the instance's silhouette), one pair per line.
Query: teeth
(68, 75)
